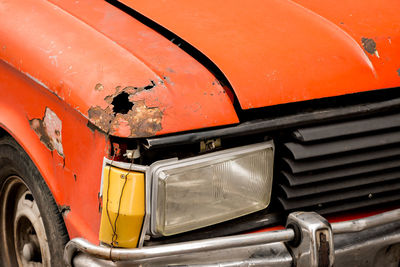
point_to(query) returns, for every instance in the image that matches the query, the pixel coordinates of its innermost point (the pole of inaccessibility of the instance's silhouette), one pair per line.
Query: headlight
(205, 190)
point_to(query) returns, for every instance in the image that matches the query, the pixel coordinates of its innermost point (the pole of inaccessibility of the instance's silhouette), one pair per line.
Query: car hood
(279, 51)
(125, 78)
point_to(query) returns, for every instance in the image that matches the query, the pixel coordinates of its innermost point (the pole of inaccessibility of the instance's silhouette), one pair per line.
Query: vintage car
(199, 133)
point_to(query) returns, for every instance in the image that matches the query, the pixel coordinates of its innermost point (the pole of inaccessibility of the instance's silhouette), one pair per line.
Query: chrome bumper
(308, 240)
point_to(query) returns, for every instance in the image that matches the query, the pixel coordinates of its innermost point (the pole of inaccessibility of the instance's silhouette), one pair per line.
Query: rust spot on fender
(125, 117)
(369, 46)
(102, 118)
(48, 129)
(99, 87)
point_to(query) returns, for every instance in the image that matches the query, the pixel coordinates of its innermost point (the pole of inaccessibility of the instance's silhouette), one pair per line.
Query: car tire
(32, 229)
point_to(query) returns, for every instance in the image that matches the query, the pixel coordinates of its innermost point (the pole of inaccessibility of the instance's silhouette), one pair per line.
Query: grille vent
(341, 166)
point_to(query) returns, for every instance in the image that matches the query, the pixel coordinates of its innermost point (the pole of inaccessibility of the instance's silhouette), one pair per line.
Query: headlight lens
(213, 188)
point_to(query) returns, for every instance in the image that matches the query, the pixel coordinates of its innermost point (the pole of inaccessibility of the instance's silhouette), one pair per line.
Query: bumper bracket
(313, 243)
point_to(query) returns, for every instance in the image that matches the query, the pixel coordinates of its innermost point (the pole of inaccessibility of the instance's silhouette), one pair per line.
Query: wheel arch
(14, 122)
(73, 182)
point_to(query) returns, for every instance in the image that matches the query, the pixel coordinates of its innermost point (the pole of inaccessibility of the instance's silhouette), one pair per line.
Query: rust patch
(102, 118)
(48, 130)
(125, 117)
(99, 87)
(369, 46)
(398, 72)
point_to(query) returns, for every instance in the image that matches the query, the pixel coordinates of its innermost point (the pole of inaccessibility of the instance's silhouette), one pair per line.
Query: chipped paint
(64, 210)
(99, 87)
(369, 46)
(48, 130)
(125, 117)
(36, 80)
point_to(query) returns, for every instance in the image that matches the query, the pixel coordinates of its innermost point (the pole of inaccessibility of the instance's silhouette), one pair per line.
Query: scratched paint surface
(91, 48)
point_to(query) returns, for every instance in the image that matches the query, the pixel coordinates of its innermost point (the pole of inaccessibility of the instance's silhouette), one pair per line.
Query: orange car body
(72, 57)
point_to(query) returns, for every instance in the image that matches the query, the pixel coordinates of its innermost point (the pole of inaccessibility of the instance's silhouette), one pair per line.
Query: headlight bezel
(218, 156)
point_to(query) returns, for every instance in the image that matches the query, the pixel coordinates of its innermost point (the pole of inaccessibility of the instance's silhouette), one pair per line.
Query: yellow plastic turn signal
(123, 207)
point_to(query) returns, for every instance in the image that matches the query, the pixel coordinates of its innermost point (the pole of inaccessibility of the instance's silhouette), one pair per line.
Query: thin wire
(120, 198)
(108, 190)
(107, 211)
(114, 226)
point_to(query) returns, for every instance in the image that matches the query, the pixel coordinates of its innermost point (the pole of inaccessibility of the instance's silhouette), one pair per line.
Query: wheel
(32, 230)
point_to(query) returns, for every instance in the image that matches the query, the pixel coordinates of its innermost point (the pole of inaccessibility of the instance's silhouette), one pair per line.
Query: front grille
(340, 166)
(331, 155)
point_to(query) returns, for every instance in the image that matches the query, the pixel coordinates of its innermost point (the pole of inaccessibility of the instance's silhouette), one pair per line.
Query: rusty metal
(92, 51)
(369, 46)
(49, 130)
(123, 59)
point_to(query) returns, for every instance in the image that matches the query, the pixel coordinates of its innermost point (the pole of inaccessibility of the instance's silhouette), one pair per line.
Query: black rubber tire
(15, 162)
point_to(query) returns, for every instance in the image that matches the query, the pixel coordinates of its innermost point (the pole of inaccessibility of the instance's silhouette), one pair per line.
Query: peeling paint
(369, 46)
(126, 117)
(150, 86)
(48, 130)
(140, 121)
(99, 87)
(64, 210)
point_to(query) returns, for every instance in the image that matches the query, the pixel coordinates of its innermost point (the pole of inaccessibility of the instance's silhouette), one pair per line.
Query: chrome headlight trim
(223, 155)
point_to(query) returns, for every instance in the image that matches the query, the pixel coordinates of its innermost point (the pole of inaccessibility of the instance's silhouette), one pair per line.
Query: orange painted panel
(276, 52)
(73, 177)
(89, 58)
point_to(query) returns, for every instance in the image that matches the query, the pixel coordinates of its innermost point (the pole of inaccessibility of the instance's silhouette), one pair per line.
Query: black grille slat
(340, 166)
(341, 172)
(386, 199)
(301, 191)
(335, 130)
(335, 196)
(303, 166)
(305, 151)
